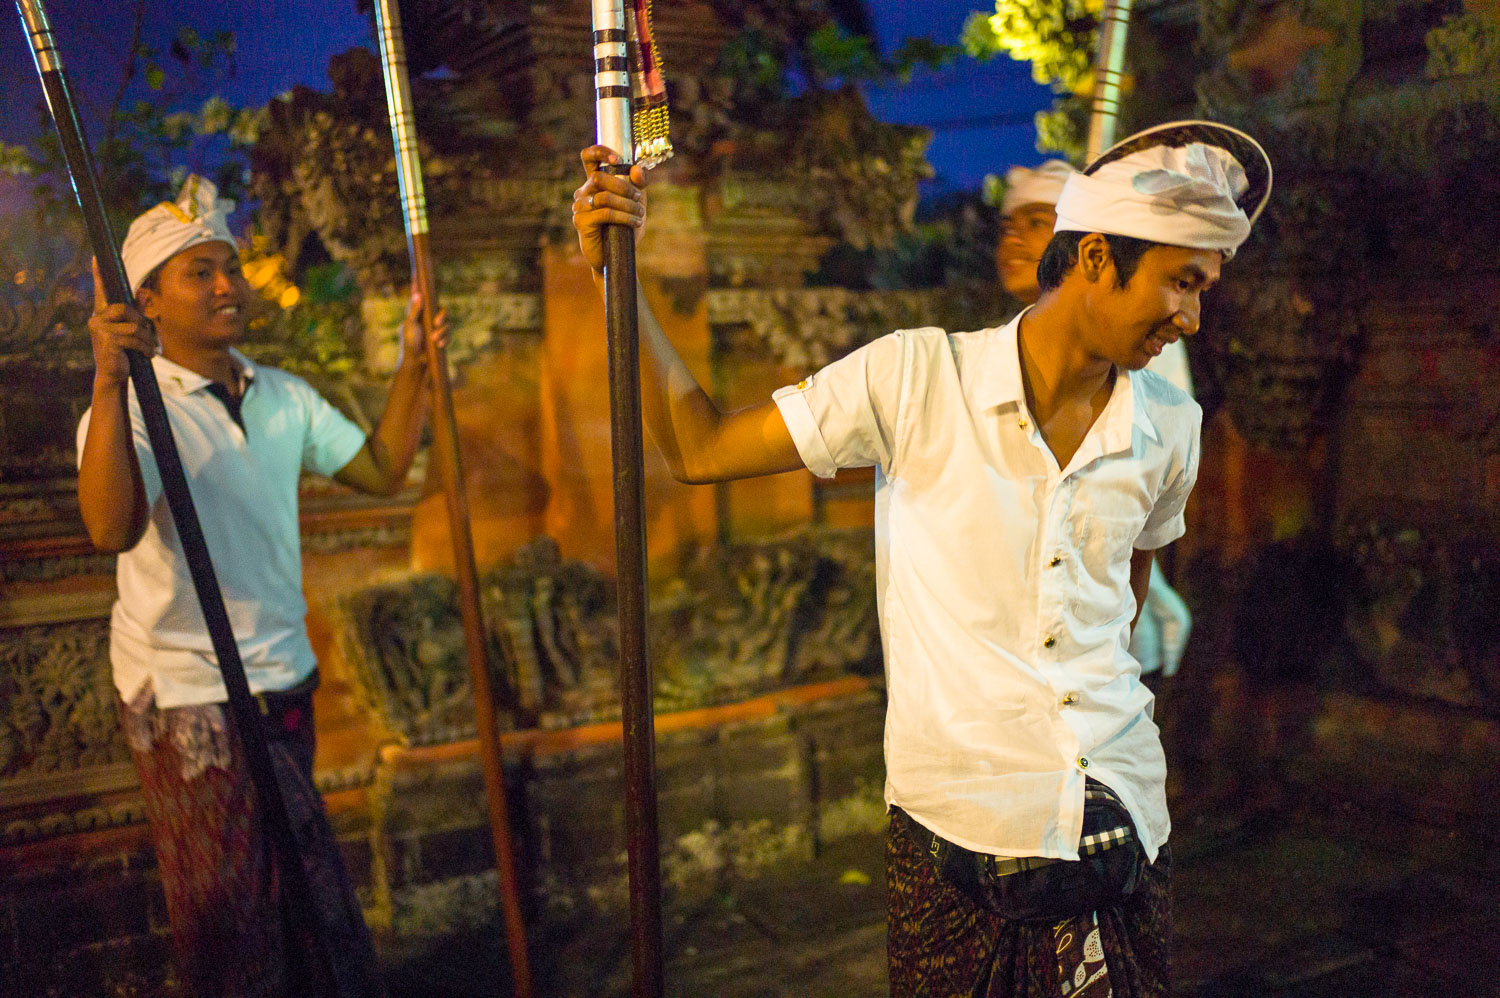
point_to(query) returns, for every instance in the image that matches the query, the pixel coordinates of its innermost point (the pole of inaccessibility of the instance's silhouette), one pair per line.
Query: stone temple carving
(740, 620)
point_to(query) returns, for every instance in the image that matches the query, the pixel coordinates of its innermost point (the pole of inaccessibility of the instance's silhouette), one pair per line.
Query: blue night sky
(282, 43)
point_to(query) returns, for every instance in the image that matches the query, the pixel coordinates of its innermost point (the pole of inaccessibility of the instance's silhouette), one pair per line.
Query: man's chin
(1021, 287)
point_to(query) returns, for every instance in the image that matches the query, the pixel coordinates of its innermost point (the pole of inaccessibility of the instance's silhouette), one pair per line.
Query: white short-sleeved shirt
(1004, 581)
(244, 484)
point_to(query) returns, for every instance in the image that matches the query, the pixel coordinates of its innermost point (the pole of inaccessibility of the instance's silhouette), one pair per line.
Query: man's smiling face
(1161, 302)
(1024, 233)
(201, 297)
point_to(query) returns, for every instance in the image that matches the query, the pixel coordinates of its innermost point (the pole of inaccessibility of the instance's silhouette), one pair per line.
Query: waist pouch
(1036, 889)
(286, 715)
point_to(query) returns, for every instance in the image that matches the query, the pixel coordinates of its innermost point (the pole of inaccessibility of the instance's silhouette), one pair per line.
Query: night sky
(283, 43)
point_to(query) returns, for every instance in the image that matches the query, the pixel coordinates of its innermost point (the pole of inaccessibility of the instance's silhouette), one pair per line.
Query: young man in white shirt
(1024, 475)
(1028, 216)
(244, 432)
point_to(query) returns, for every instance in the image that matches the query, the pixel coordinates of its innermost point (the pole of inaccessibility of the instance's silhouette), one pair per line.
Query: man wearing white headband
(245, 433)
(1024, 475)
(1027, 215)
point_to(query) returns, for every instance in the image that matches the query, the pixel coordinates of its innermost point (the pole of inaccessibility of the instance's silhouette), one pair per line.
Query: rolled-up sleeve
(845, 415)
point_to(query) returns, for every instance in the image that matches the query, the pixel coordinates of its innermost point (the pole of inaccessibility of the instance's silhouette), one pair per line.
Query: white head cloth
(1180, 196)
(199, 216)
(1041, 185)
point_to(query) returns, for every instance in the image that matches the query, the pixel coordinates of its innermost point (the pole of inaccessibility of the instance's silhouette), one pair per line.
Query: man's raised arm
(700, 443)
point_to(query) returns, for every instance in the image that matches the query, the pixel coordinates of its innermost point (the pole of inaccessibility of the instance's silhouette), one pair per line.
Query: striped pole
(1109, 74)
(613, 118)
(450, 467)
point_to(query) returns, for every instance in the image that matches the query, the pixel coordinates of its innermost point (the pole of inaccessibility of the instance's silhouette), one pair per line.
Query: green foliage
(17, 160)
(1062, 128)
(147, 143)
(834, 53)
(1463, 45)
(312, 338)
(1058, 38)
(756, 65)
(921, 53)
(1055, 36)
(326, 283)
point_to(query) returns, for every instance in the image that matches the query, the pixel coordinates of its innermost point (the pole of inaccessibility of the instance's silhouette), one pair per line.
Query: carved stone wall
(1352, 342)
(736, 623)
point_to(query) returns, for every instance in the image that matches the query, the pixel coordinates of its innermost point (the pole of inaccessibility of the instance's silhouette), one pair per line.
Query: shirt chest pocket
(1102, 546)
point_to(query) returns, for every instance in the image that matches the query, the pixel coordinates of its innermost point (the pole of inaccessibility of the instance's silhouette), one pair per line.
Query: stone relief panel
(57, 700)
(738, 622)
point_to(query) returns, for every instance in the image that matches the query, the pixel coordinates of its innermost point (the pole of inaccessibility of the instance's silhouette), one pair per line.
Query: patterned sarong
(215, 858)
(942, 944)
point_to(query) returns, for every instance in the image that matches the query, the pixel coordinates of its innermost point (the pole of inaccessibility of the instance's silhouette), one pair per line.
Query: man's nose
(1187, 315)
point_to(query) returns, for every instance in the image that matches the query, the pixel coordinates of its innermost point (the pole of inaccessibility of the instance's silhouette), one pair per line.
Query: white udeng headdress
(1186, 183)
(198, 216)
(1042, 185)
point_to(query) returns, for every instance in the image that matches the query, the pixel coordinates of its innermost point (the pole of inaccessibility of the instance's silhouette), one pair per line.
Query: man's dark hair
(1061, 255)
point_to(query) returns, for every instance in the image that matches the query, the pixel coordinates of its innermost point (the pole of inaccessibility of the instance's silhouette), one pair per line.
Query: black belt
(1092, 843)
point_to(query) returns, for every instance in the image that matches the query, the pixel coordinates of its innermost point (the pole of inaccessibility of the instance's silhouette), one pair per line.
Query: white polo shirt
(1004, 581)
(244, 484)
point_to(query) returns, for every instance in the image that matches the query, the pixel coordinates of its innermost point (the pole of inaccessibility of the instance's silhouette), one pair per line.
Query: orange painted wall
(574, 425)
(496, 405)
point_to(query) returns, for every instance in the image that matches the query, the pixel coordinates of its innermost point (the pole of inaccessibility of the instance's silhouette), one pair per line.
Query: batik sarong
(215, 858)
(944, 944)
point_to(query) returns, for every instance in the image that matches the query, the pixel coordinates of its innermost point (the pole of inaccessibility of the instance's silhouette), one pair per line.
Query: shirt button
(1069, 699)
(1021, 423)
(802, 385)
(1083, 763)
(1048, 641)
(1056, 560)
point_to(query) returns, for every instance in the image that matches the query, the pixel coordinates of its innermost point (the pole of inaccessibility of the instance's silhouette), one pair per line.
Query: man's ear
(1094, 257)
(146, 303)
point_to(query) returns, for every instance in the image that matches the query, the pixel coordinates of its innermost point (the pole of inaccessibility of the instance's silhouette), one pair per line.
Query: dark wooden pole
(300, 915)
(636, 684)
(612, 93)
(450, 468)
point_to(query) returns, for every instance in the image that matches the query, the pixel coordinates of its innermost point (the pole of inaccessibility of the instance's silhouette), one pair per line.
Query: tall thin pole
(1109, 74)
(612, 93)
(450, 466)
(301, 922)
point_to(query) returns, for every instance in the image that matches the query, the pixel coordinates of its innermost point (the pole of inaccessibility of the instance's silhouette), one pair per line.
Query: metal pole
(1109, 72)
(450, 467)
(302, 923)
(612, 92)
